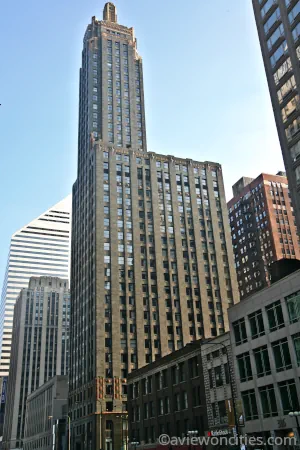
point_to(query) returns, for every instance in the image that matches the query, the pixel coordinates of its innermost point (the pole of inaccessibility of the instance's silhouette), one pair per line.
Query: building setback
(152, 263)
(46, 420)
(41, 248)
(265, 341)
(278, 25)
(263, 229)
(40, 350)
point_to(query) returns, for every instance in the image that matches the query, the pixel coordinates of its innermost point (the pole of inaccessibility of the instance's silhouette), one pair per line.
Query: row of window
(274, 315)
(182, 428)
(178, 375)
(266, 7)
(286, 66)
(267, 396)
(281, 354)
(162, 164)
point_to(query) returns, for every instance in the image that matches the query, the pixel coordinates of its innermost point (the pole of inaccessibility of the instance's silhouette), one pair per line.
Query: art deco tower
(151, 259)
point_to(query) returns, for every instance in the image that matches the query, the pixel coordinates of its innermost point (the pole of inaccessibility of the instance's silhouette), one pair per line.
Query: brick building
(167, 397)
(263, 229)
(187, 390)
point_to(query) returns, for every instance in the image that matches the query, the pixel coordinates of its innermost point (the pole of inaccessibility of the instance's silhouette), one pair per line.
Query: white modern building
(41, 248)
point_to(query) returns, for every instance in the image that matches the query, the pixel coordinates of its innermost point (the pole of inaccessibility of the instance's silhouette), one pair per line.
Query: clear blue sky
(205, 91)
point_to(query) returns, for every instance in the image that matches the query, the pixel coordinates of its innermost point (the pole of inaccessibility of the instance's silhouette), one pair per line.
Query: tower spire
(110, 12)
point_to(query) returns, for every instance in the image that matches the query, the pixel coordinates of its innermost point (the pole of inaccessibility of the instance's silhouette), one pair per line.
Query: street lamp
(230, 382)
(191, 434)
(134, 444)
(100, 427)
(124, 424)
(296, 414)
(69, 426)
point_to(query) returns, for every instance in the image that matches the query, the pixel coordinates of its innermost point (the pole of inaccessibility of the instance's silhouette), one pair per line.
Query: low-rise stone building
(46, 422)
(219, 380)
(265, 337)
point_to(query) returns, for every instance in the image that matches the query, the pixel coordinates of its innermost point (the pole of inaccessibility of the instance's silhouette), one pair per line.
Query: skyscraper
(152, 262)
(263, 229)
(40, 248)
(278, 25)
(39, 351)
(111, 106)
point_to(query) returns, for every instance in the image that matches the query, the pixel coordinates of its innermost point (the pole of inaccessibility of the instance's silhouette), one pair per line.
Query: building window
(262, 361)
(227, 375)
(211, 378)
(296, 340)
(294, 129)
(161, 407)
(293, 305)
(282, 355)
(296, 32)
(294, 13)
(245, 369)
(272, 20)
(275, 316)
(250, 406)
(268, 401)
(193, 367)
(239, 329)
(289, 397)
(218, 376)
(289, 108)
(162, 380)
(256, 324)
(177, 402)
(167, 405)
(279, 52)
(196, 396)
(184, 400)
(285, 89)
(275, 36)
(146, 410)
(267, 6)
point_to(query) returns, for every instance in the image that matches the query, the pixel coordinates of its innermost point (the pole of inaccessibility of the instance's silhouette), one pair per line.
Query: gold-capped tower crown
(110, 12)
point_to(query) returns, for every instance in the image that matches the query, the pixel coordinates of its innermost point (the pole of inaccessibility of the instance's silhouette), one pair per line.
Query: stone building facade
(46, 420)
(219, 381)
(40, 350)
(265, 338)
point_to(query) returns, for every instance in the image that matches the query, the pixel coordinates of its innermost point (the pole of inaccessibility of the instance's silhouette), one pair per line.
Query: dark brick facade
(168, 396)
